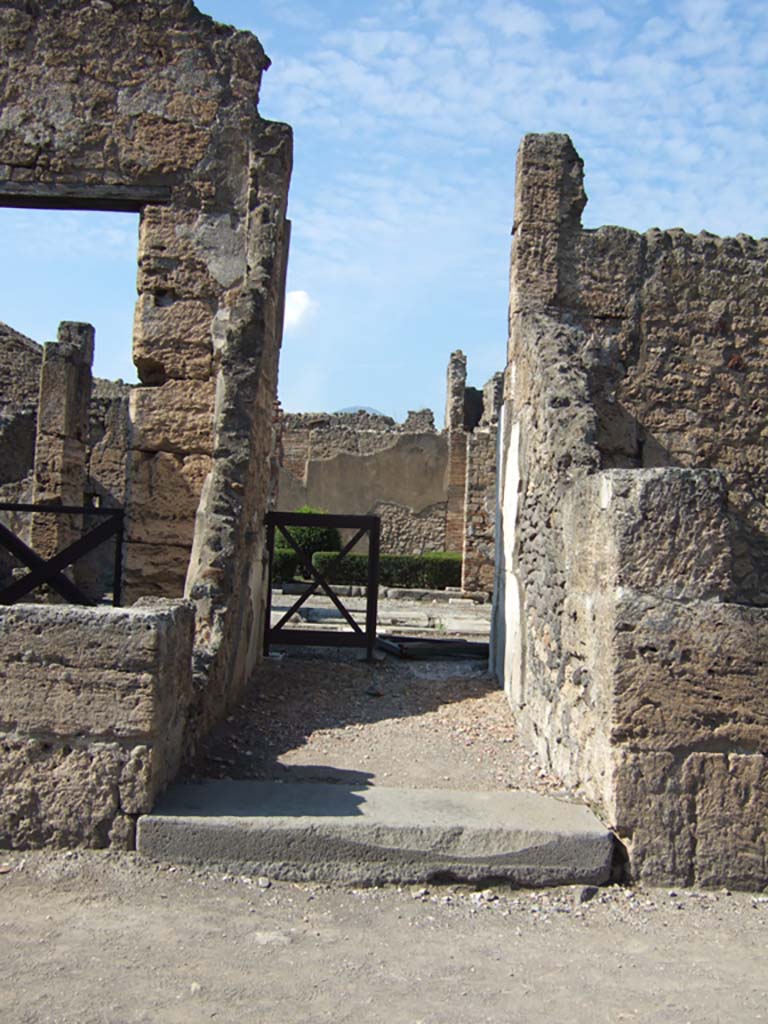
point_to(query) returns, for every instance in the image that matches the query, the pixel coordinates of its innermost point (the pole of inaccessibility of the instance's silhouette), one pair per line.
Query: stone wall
(433, 492)
(627, 625)
(93, 709)
(82, 450)
(62, 437)
(360, 464)
(479, 540)
(663, 712)
(152, 107)
(20, 362)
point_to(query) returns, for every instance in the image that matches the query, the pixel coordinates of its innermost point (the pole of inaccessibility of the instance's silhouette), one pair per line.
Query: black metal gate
(50, 571)
(358, 637)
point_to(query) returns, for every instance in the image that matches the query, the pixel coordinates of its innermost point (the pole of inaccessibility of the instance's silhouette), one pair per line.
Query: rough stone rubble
(630, 612)
(433, 491)
(631, 619)
(151, 106)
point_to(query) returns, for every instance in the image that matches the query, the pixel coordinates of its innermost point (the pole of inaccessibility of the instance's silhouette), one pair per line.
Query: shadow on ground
(292, 697)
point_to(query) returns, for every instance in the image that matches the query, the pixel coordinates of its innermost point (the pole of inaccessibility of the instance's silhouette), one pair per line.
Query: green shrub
(311, 538)
(435, 570)
(442, 568)
(284, 564)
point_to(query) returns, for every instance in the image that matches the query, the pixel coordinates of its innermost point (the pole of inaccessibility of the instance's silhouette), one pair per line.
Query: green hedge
(284, 564)
(311, 538)
(435, 570)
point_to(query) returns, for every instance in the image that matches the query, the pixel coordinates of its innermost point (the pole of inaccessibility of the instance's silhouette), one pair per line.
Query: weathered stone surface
(177, 417)
(630, 602)
(479, 545)
(456, 385)
(155, 570)
(698, 818)
(62, 435)
(549, 198)
(20, 362)
(689, 675)
(405, 530)
(433, 492)
(92, 716)
(116, 672)
(165, 492)
(135, 95)
(663, 531)
(172, 341)
(55, 794)
(169, 264)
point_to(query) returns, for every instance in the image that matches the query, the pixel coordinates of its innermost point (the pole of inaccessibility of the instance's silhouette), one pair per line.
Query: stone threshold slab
(358, 834)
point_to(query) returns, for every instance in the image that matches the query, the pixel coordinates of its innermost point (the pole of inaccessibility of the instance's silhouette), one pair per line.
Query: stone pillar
(62, 435)
(457, 451)
(480, 496)
(456, 382)
(549, 200)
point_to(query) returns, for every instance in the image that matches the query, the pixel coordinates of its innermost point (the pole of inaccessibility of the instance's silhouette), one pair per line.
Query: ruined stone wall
(93, 709)
(369, 465)
(621, 354)
(20, 362)
(308, 435)
(675, 324)
(664, 712)
(153, 105)
(477, 570)
(456, 430)
(425, 505)
(87, 468)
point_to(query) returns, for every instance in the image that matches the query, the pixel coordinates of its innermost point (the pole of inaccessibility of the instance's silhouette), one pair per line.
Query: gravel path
(427, 724)
(91, 938)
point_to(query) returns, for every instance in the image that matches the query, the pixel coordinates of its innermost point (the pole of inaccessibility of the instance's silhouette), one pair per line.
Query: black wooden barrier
(42, 570)
(358, 637)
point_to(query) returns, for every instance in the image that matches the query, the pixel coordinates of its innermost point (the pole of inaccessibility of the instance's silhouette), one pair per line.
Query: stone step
(368, 835)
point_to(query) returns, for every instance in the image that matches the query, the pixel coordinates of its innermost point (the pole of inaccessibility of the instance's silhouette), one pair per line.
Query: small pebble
(587, 893)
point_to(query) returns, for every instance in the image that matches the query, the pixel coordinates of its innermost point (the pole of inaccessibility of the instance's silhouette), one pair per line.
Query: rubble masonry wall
(363, 464)
(154, 95)
(629, 618)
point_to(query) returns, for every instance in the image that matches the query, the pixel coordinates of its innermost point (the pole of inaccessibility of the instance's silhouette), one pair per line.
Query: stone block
(172, 340)
(158, 570)
(189, 256)
(660, 531)
(165, 492)
(730, 804)
(654, 815)
(55, 794)
(177, 417)
(689, 674)
(104, 672)
(694, 819)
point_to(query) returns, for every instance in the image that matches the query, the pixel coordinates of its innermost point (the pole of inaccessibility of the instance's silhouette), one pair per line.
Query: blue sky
(407, 116)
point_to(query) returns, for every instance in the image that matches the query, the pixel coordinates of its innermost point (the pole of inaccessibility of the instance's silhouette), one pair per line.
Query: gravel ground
(94, 938)
(325, 717)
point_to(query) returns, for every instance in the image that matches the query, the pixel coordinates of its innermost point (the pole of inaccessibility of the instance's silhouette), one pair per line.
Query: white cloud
(299, 307)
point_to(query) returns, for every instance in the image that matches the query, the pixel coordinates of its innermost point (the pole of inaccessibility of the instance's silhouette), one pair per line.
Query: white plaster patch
(219, 240)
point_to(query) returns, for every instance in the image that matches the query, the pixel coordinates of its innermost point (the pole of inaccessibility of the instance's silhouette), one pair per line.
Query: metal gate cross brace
(50, 570)
(358, 637)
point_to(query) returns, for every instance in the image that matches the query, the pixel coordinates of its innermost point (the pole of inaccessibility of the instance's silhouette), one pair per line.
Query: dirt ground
(105, 938)
(91, 938)
(320, 716)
